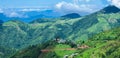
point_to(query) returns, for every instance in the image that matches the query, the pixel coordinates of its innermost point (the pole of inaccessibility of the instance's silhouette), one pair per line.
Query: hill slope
(102, 45)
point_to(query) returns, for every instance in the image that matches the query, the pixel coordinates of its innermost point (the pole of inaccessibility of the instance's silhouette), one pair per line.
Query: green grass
(62, 53)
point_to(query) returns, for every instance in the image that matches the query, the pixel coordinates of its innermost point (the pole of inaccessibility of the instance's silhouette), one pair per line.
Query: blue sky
(29, 3)
(42, 3)
(82, 7)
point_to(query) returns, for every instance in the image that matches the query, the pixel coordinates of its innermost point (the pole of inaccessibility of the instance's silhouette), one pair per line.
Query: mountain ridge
(71, 15)
(110, 9)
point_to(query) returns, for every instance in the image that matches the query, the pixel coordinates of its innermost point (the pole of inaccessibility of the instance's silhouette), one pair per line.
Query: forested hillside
(102, 45)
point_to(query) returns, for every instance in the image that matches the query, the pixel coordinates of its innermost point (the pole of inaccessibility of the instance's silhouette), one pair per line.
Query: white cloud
(76, 1)
(66, 7)
(15, 14)
(85, 0)
(32, 9)
(115, 2)
(1, 11)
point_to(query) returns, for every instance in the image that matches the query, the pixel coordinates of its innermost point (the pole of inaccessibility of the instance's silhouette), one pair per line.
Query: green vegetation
(103, 45)
(61, 53)
(97, 48)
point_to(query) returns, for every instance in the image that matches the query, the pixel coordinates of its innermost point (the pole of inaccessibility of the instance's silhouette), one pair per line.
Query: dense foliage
(98, 48)
(103, 45)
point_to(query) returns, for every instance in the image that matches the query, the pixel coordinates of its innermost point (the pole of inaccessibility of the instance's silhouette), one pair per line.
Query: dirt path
(49, 50)
(81, 47)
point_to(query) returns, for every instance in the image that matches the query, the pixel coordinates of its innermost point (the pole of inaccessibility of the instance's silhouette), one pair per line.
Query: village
(73, 45)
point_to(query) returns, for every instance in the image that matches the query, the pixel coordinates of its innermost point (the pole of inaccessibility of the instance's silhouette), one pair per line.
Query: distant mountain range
(16, 34)
(28, 16)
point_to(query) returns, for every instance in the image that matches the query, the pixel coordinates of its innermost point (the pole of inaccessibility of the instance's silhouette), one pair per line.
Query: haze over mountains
(26, 16)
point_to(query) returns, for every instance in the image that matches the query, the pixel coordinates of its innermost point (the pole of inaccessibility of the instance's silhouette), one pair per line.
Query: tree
(1, 22)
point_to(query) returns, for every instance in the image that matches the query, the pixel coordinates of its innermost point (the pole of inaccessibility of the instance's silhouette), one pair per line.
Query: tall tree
(1, 22)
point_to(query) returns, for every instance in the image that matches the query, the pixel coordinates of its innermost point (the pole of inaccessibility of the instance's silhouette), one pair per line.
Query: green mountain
(110, 9)
(102, 45)
(72, 15)
(17, 35)
(1, 22)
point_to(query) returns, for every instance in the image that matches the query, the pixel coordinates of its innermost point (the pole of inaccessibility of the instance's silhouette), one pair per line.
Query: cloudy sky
(62, 6)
